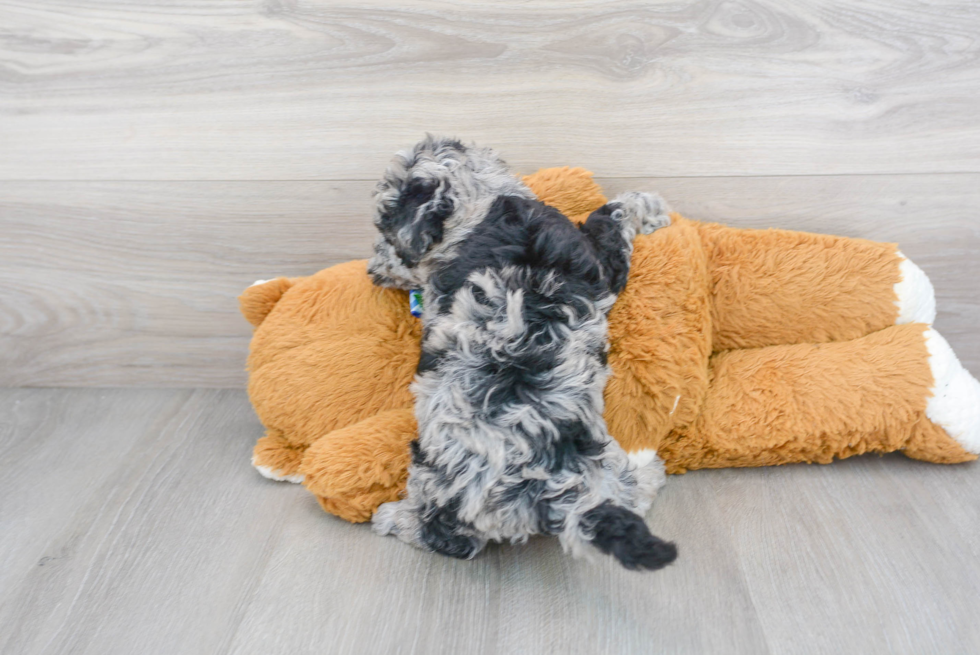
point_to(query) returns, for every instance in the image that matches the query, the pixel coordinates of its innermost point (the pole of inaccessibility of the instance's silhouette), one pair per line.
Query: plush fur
(728, 347)
(509, 384)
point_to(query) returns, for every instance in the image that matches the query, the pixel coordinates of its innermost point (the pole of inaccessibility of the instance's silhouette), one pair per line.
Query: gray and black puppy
(509, 386)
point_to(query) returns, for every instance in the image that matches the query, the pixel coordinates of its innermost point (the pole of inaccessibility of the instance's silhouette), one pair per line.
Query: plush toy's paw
(274, 457)
(955, 403)
(916, 299)
(278, 476)
(647, 211)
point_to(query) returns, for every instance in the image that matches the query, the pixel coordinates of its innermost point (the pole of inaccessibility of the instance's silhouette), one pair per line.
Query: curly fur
(509, 387)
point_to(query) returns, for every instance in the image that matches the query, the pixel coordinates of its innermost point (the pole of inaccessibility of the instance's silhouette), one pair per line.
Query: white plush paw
(258, 282)
(267, 472)
(955, 403)
(648, 211)
(916, 297)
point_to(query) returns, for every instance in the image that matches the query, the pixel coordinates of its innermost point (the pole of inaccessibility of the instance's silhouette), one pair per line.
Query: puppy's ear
(422, 219)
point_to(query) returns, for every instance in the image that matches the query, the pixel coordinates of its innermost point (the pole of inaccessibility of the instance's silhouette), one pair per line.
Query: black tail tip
(650, 556)
(624, 535)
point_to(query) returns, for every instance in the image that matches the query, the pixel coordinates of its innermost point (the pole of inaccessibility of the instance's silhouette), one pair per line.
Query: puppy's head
(429, 194)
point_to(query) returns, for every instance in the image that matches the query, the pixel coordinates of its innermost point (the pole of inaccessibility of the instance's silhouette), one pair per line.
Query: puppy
(509, 386)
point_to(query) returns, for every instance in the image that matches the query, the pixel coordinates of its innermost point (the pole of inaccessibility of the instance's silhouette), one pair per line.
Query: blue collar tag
(415, 302)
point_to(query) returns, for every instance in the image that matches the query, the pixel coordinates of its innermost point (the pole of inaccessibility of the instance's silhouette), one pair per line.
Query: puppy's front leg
(645, 212)
(612, 228)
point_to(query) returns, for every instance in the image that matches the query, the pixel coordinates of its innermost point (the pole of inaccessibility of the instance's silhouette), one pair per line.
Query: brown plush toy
(728, 348)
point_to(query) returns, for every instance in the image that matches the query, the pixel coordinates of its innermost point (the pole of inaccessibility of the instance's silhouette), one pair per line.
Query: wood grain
(303, 90)
(134, 283)
(157, 157)
(131, 522)
(163, 528)
(120, 283)
(832, 559)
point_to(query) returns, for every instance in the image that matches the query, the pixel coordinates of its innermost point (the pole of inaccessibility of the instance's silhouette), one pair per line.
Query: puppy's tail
(623, 534)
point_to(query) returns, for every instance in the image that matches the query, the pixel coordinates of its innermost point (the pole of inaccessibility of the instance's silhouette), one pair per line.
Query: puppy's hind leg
(432, 528)
(400, 518)
(444, 533)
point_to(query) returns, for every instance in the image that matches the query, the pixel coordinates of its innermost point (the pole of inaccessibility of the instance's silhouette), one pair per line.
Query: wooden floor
(130, 522)
(156, 157)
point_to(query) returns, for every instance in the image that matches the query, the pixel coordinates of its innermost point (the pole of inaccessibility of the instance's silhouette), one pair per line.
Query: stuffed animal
(728, 347)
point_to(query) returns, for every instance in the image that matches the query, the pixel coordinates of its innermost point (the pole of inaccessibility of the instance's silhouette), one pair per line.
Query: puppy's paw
(387, 517)
(647, 212)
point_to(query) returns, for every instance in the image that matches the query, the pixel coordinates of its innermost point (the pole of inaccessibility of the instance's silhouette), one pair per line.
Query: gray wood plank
(529, 599)
(58, 448)
(156, 547)
(106, 89)
(134, 283)
(867, 555)
(131, 522)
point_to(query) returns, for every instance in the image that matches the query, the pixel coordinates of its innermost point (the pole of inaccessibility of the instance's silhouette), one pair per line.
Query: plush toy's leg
(355, 469)
(915, 297)
(897, 389)
(773, 287)
(277, 459)
(954, 404)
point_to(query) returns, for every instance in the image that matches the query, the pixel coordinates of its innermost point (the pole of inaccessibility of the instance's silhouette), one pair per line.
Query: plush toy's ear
(571, 191)
(258, 300)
